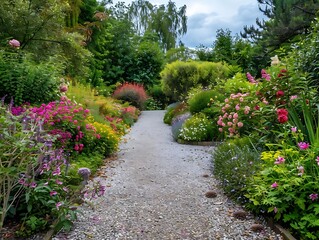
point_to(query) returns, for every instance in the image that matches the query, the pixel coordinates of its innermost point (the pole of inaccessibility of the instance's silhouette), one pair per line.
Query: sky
(205, 17)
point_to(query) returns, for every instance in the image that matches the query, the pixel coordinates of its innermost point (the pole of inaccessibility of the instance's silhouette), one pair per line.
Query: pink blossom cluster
(234, 111)
(67, 118)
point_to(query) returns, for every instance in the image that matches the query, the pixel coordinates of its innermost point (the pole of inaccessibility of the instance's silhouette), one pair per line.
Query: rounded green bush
(201, 100)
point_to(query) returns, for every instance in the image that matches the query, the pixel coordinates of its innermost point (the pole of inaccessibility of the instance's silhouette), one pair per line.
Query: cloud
(202, 27)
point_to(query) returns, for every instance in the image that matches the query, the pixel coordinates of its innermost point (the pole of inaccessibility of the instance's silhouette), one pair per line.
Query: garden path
(156, 190)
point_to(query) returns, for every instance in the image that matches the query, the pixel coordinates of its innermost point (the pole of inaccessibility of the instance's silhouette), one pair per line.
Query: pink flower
(53, 193)
(240, 124)
(75, 121)
(274, 185)
(279, 160)
(58, 182)
(265, 75)
(65, 189)
(237, 107)
(86, 111)
(221, 130)
(293, 97)
(303, 145)
(275, 209)
(235, 115)
(226, 100)
(317, 160)
(231, 130)
(63, 88)
(58, 204)
(250, 78)
(33, 185)
(294, 129)
(313, 196)
(230, 124)
(14, 43)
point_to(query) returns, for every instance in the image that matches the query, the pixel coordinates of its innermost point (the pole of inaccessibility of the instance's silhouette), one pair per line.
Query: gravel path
(156, 190)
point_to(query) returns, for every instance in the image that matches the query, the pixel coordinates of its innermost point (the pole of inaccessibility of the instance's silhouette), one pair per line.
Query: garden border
(270, 222)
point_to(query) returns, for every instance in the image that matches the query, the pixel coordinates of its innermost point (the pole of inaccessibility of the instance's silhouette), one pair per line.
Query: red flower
(282, 111)
(283, 72)
(280, 93)
(257, 107)
(282, 115)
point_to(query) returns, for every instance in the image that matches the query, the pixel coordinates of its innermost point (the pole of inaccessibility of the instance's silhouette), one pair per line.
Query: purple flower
(65, 189)
(84, 173)
(313, 196)
(303, 145)
(279, 160)
(317, 160)
(33, 185)
(57, 171)
(101, 190)
(21, 181)
(274, 185)
(294, 129)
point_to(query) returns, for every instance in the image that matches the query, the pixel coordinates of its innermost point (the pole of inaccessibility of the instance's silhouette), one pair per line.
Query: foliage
(286, 185)
(19, 150)
(307, 50)
(235, 162)
(105, 142)
(168, 22)
(181, 53)
(197, 128)
(179, 77)
(201, 100)
(24, 81)
(157, 93)
(285, 21)
(132, 93)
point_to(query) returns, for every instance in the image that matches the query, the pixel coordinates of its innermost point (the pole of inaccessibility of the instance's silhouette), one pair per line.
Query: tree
(222, 47)
(41, 30)
(286, 20)
(168, 22)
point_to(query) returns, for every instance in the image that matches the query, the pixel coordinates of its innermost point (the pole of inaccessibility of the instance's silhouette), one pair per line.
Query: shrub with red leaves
(131, 92)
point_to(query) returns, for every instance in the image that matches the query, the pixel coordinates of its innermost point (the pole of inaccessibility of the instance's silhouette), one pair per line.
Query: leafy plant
(197, 128)
(202, 100)
(235, 162)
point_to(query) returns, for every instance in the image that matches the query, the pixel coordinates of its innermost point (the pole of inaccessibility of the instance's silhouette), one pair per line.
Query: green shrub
(132, 93)
(179, 77)
(235, 162)
(157, 93)
(27, 81)
(202, 100)
(197, 128)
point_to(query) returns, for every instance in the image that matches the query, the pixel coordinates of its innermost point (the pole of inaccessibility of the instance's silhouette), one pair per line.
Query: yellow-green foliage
(179, 77)
(237, 84)
(105, 141)
(98, 105)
